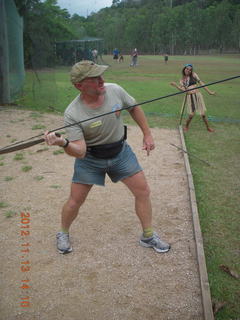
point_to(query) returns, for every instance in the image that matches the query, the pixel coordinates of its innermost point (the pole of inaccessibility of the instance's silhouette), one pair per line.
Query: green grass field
(217, 186)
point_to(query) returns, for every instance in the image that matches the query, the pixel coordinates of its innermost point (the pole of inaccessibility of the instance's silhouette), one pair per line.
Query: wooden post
(205, 289)
(183, 109)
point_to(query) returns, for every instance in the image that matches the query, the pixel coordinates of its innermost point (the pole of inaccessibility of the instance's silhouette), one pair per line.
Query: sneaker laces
(63, 237)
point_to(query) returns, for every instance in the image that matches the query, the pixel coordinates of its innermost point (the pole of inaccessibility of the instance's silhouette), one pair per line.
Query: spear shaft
(190, 154)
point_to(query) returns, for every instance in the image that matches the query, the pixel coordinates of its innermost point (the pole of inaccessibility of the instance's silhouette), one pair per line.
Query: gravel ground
(108, 275)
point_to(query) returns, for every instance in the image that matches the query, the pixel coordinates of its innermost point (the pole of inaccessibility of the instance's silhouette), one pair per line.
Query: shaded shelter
(72, 51)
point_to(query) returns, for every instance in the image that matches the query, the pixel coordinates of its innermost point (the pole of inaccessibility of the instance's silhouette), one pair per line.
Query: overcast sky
(84, 7)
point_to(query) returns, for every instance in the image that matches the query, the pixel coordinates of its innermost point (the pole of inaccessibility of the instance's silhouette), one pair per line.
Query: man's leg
(137, 184)
(70, 210)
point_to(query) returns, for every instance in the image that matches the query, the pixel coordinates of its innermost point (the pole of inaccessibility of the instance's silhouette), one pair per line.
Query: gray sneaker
(63, 243)
(155, 243)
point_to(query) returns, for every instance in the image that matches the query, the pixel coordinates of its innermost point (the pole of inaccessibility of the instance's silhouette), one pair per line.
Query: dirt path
(108, 276)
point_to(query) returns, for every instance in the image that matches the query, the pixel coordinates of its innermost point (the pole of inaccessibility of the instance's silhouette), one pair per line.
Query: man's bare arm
(75, 149)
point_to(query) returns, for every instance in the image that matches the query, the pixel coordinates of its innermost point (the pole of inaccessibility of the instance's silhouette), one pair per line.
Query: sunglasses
(188, 65)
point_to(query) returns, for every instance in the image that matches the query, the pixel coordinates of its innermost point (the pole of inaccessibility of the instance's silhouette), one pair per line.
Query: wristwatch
(66, 143)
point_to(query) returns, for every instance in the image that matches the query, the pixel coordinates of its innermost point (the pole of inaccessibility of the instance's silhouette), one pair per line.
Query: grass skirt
(195, 103)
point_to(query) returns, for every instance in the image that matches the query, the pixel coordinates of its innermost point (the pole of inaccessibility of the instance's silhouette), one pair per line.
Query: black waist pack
(108, 151)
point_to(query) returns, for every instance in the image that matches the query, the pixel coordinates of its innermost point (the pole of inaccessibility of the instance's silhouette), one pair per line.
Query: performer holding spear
(193, 98)
(100, 148)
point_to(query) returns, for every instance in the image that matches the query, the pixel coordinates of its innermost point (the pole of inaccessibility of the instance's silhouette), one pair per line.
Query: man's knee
(143, 192)
(73, 204)
(147, 192)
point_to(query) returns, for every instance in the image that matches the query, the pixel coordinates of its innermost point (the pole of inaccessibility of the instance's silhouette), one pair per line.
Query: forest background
(153, 26)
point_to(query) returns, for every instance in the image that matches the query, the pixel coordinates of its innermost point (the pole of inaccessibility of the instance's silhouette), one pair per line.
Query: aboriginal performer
(100, 148)
(194, 99)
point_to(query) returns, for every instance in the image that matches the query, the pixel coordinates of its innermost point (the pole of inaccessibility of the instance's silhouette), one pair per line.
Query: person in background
(115, 54)
(95, 55)
(134, 56)
(100, 147)
(194, 98)
(166, 58)
(120, 59)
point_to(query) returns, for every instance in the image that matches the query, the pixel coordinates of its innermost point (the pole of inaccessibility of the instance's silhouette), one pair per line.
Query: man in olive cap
(99, 146)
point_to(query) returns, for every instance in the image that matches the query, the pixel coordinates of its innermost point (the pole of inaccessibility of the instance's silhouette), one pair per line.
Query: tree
(223, 25)
(116, 2)
(44, 23)
(236, 29)
(24, 6)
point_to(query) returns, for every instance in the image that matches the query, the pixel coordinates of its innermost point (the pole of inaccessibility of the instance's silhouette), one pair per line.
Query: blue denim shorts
(91, 170)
